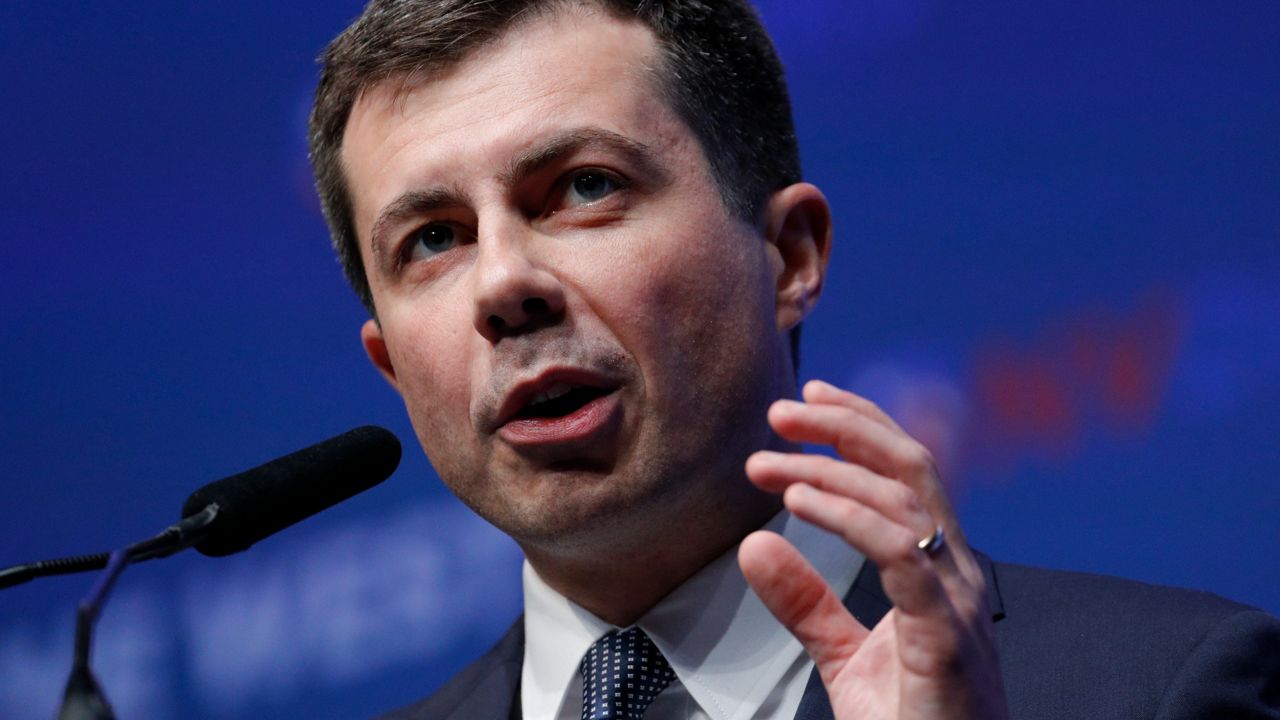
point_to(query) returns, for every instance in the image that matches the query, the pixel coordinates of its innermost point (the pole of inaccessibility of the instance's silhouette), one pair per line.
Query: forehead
(578, 67)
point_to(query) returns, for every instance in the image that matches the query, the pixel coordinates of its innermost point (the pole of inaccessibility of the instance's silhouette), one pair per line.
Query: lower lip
(585, 423)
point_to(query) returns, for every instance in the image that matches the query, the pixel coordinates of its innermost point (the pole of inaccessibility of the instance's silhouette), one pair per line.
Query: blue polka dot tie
(621, 674)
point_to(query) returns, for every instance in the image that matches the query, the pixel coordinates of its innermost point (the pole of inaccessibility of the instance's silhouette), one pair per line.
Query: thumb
(801, 600)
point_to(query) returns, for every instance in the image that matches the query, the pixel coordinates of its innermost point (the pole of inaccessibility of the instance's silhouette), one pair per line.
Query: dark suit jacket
(1071, 646)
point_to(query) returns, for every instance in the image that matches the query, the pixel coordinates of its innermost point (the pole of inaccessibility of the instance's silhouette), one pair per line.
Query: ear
(797, 224)
(375, 346)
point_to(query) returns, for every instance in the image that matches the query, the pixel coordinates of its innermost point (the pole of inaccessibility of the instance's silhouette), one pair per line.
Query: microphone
(263, 501)
(225, 517)
(230, 515)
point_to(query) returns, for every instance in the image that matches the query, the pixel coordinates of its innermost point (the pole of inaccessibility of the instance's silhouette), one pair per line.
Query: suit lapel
(497, 694)
(868, 604)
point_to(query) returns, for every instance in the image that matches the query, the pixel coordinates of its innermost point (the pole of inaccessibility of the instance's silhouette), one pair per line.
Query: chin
(575, 505)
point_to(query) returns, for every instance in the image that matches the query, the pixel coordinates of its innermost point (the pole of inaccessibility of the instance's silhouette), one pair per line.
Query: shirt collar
(557, 633)
(725, 647)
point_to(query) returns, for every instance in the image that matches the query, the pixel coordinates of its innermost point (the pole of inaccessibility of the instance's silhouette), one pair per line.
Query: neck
(621, 581)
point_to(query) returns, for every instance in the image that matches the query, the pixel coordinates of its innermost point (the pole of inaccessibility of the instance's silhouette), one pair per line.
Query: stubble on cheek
(434, 385)
(716, 299)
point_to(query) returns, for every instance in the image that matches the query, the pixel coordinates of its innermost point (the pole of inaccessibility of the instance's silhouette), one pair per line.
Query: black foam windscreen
(269, 498)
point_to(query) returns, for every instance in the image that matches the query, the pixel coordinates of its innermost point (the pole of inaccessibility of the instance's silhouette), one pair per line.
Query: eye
(432, 239)
(590, 186)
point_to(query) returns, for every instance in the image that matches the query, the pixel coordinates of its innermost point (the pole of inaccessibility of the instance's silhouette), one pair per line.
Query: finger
(775, 472)
(820, 392)
(801, 600)
(889, 452)
(917, 588)
(856, 437)
(886, 451)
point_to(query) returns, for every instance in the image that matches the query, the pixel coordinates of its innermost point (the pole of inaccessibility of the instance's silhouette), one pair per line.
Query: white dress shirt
(732, 659)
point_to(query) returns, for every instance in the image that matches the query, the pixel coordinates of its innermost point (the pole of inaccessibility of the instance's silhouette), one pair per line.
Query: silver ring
(932, 545)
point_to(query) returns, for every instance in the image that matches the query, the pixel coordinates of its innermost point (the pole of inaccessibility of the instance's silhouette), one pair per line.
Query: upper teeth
(551, 393)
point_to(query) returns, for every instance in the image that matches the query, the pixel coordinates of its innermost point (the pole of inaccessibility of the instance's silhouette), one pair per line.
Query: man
(583, 238)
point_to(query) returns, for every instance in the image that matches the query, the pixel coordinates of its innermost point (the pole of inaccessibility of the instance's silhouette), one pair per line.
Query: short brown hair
(720, 72)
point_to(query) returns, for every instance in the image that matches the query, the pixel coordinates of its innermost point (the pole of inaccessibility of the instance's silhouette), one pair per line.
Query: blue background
(1057, 263)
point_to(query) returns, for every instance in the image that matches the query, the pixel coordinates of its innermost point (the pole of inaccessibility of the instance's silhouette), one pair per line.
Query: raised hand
(933, 655)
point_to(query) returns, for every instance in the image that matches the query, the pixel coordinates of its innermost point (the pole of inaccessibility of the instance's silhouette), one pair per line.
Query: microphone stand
(83, 698)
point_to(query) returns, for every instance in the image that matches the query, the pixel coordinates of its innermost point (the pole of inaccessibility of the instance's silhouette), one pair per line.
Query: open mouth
(560, 410)
(559, 400)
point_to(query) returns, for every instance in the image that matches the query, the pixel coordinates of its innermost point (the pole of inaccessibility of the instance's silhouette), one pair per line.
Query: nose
(514, 293)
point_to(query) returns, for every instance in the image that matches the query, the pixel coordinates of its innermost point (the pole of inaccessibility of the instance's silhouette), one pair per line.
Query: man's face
(579, 329)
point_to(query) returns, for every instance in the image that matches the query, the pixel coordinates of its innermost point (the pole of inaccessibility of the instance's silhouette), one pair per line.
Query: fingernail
(800, 491)
(766, 456)
(823, 384)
